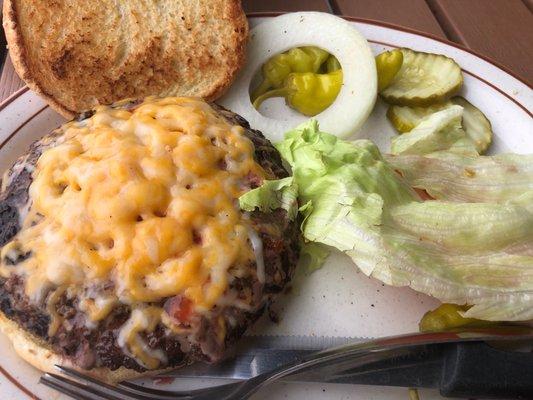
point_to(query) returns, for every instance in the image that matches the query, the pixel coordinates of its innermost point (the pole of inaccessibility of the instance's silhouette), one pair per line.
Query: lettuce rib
(458, 178)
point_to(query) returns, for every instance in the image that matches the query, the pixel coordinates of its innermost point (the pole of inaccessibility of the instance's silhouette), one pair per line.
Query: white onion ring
(357, 96)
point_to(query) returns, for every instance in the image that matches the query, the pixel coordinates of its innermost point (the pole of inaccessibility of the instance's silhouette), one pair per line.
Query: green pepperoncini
(388, 64)
(307, 92)
(448, 316)
(299, 59)
(308, 77)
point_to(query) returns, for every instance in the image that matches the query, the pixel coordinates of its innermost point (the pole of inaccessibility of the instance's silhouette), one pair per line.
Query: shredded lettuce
(459, 252)
(271, 195)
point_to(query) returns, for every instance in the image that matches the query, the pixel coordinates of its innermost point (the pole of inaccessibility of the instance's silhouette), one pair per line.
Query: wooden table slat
(413, 14)
(500, 29)
(284, 5)
(9, 80)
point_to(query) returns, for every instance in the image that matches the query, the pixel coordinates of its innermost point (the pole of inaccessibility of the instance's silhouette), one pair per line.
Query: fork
(333, 362)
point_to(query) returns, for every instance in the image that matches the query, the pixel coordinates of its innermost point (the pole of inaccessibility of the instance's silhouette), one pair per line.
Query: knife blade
(258, 354)
(431, 365)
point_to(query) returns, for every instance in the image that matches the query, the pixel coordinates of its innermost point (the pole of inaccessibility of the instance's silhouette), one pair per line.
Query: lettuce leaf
(466, 253)
(271, 195)
(313, 255)
(466, 227)
(504, 178)
(439, 131)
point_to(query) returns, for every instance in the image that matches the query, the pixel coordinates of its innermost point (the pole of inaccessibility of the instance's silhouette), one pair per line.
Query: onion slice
(357, 96)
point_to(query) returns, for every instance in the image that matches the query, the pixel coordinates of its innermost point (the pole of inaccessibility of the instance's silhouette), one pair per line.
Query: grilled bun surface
(79, 54)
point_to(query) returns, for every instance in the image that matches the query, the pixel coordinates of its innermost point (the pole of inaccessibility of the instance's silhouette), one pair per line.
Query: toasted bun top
(79, 54)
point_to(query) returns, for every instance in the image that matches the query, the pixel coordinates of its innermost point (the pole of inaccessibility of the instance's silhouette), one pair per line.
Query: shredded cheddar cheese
(145, 199)
(142, 320)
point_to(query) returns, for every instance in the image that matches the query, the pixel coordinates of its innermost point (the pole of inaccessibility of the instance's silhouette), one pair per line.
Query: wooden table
(499, 29)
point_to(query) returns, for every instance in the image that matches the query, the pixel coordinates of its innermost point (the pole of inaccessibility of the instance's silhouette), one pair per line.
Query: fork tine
(140, 392)
(155, 393)
(72, 388)
(166, 394)
(92, 384)
(74, 394)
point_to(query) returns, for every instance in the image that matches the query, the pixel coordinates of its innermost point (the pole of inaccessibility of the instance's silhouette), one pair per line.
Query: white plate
(336, 300)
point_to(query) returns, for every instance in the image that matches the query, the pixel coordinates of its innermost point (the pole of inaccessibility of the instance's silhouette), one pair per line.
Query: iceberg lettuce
(439, 131)
(470, 179)
(464, 248)
(313, 255)
(271, 195)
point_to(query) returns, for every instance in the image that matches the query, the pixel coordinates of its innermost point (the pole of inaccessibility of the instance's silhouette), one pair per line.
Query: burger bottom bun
(39, 354)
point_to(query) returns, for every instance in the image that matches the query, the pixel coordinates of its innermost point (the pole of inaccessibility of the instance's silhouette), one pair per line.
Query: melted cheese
(141, 320)
(98, 308)
(144, 198)
(257, 245)
(55, 319)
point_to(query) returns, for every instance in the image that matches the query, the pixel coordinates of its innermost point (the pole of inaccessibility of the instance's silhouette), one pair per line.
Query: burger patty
(97, 346)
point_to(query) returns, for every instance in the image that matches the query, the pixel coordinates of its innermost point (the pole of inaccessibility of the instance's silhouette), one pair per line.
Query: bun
(79, 54)
(37, 353)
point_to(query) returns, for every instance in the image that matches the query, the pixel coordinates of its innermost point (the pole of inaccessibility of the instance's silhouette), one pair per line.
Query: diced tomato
(423, 194)
(179, 308)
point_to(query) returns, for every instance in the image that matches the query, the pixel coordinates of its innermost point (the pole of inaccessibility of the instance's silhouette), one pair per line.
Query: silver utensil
(511, 377)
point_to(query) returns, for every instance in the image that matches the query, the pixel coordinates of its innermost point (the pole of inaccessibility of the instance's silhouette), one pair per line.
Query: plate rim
(27, 390)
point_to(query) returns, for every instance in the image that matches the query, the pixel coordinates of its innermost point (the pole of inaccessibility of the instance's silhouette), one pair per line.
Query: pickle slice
(424, 79)
(405, 118)
(476, 125)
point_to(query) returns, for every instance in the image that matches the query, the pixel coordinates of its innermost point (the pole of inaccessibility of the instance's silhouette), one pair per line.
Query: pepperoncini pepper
(388, 64)
(332, 64)
(447, 316)
(278, 68)
(307, 92)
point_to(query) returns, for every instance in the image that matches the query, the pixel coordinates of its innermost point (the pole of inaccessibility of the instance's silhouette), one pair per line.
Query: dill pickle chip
(405, 118)
(476, 125)
(423, 79)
